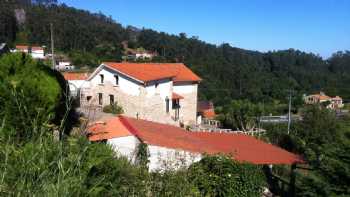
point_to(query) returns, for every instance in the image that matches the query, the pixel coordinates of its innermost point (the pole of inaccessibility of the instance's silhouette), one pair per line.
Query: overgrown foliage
(113, 109)
(220, 176)
(29, 94)
(324, 141)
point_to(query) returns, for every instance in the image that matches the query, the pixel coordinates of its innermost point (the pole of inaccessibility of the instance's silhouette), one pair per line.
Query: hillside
(228, 72)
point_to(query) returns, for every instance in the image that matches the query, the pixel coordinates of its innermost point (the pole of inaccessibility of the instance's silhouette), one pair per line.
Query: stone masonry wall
(149, 108)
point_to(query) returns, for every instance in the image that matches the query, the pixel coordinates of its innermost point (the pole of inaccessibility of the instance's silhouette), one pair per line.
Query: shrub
(221, 176)
(30, 94)
(113, 109)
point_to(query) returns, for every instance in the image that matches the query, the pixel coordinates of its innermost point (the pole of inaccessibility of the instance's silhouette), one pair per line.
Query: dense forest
(228, 72)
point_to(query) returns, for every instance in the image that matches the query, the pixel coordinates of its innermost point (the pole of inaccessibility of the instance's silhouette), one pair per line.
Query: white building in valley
(36, 52)
(162, 92)
(64, 65)
(171, 147)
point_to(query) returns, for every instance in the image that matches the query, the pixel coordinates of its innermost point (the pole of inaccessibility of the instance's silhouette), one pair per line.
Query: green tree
(243, 114)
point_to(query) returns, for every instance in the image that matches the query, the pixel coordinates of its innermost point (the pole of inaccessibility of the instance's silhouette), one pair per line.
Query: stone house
(161, 92)
(172, 147)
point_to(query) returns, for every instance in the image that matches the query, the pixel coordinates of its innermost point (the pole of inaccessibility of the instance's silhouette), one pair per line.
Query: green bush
(113, 109)
(221, 176)
(30, 94)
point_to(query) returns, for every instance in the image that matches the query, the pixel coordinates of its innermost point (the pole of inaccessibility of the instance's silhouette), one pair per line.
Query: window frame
(100, 98)
(102, 78)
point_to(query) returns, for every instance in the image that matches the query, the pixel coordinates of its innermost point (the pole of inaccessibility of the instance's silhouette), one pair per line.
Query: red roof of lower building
(109, 129)
(242, 147)
(154, 71)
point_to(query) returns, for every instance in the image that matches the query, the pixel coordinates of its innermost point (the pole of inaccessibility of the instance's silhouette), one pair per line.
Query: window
(88, 98)
(111, 99)
(100, 97)
(176, 104)
(167, 104)
(102, 78)
(116, 79)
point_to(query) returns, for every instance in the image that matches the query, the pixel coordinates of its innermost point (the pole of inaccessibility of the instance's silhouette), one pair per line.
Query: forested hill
(228, 72)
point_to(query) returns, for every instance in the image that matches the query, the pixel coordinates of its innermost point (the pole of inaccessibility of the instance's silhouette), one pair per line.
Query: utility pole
(52, 47)
(289, 110)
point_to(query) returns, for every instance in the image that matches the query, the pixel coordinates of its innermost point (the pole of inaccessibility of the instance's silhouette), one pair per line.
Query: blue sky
(318, 26)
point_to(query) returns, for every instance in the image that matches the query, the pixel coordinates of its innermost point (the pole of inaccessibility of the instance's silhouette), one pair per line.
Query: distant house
(206, 109)
(64, 65)
(332, 102)
(36, 52)
(173, 147)
(4, 48)
(206, 114)
(76, 82)
(139, 54)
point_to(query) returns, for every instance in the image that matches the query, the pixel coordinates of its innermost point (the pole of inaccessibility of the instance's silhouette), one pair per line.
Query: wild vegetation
(324, 141)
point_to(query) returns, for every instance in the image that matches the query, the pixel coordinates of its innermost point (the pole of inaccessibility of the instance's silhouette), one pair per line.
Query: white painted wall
(65, 67)
(127, 85)
(21, 50)
(125, 146)
(184, 88)
(162, 158)
(143, 55)
(38, 54)
(64, 63)
(164, 88)
(74, 85)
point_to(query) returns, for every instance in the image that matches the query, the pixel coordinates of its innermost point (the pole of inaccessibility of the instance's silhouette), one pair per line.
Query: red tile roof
(154, 71)
(176, 96)
(206, 109)
(242, 147)
(109, 129)
(208, 113)
(75, 76)
(22, 47)
(25, 47)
